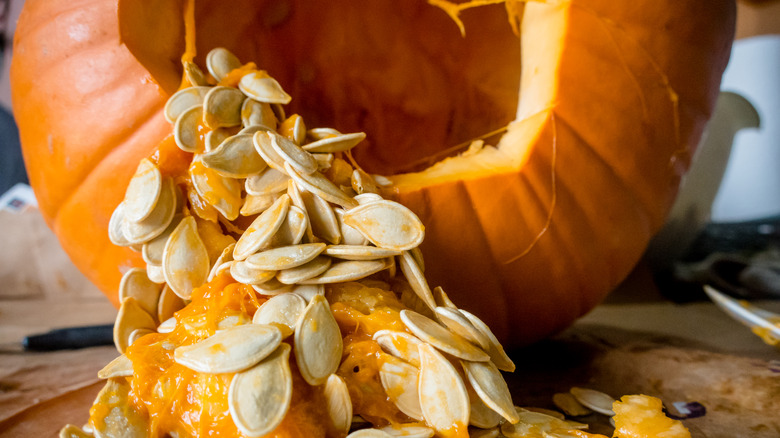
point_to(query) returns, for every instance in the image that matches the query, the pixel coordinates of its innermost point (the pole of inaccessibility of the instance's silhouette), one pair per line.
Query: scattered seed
(595, 400)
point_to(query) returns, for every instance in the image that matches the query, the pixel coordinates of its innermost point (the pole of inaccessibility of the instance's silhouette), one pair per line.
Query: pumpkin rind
(614, 97)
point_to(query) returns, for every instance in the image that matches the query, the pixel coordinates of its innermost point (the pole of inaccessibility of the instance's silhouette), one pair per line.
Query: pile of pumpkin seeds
(317, 221)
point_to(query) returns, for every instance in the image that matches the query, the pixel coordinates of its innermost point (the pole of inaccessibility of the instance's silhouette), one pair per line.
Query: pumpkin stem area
(398, 70)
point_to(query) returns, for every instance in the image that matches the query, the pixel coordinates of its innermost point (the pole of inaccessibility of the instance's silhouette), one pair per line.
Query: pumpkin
(595, 107)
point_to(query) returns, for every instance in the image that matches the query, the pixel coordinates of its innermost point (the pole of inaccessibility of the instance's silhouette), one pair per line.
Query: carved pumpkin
(597, 106)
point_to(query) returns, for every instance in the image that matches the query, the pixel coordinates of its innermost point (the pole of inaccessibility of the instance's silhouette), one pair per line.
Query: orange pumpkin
(597, 107)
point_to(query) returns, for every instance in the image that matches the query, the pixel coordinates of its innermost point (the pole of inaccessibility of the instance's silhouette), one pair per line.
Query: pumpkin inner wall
(398, 70)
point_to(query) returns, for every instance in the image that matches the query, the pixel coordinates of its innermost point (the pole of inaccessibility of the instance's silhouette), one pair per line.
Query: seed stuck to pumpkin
(230, 350)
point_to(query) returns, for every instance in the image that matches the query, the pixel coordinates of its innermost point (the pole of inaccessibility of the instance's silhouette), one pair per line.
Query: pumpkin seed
(263, 145)
(152, 251)
(358, 252)
(322, 187)
(185, 259)
(442, 300)
(431, 332)
(409, 430)
(381, 180)
(262, 229)
(400, 382)
(550, 412)
(566, 402)
(167, 326)
(315, 134)
(285, 309)
(417, 254)
(194, 74)
(116, 225)
(318, 343)
(348, 270)
(224, 257)
(131, 316)
(306, 272)
(256, 204)
(183, 100)
(299, 130)
(215, 137)
(272, 287)
(308, 291)
(155, 273)
(292, 154)
(459, 324)
(186, 130)
(292, 229)
(399, 344)
(119, 367)
(322, 219)
(594, 400)
(121, 419)
(416, 279)
(259, 398)
(154, 224)
(369, 433)
(285, 257)
(246, 274)
(251, 129)
(278, 110)
(231, 350)
(269, 182)
(137, 334)
(221, 192)
(363, 183)
(254, 113)
(481, 415)
(489, 384)
(349, 235)
(135, 283)
(532, 423)
(73, 431)
(387, 224)
(235, 157)
(366, 198)
(497, 354)
(262, 88)
(324, 161)
(337, 143)
(444, 400)
(220, 62)
(338, 403)
(143, 191)
(222, 107)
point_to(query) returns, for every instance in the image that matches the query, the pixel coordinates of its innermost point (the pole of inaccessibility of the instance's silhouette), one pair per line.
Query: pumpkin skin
(530, 235)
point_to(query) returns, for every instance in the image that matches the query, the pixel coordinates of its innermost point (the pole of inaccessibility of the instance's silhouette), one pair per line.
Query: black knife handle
(70, 338)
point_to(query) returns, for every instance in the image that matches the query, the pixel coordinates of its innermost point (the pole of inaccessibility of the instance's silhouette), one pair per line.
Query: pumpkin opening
(399, 71)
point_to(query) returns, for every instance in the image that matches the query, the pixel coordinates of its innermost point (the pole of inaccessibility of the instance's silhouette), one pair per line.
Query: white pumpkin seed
(131, 316)
(285, 309)
(400, 382)
(154, 224)
(221, 192)
(152, 251)
(257, 204)
(339, 404)
(481, 415)
(269, 182)
(292, 229)
(224, 257)
(459, 324)
(496, 351)
(230, 350)
(155, 274)
(119, 367)
(362, 182)
(367, 198)
(167, 326)
(235, 157)
(359, 252)
(443, 397)
(262, 88)
(259, 398)
(409, 430)
(349, 235)
(318, 343)
(324, 161)
(285, 257)
(387, 224)
(348, 270)
(431, 332)
(322, 187)
(301, 160)
(121, 419)
(137, 334)
(416, 279)
(246, 274)
(337, 143)
(183, 100)
(135, 283)
(595, 400)
(215, 137)
(308, 291)
(399, 344)
(262, 229)
(185, 259)
(566, 402)
(254, 113)
(272, 287)
(442, 300)
(222, 107)
(143, 191)
(315, 134)
(322, 219)
(251, 129)
(262, 141)
(303, 273)
(116, 225)
(489, 384)
(186, 130)
(220, 62)
(194, 74)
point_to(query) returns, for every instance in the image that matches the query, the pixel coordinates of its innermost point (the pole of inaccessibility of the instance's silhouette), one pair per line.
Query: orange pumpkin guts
(596, 107)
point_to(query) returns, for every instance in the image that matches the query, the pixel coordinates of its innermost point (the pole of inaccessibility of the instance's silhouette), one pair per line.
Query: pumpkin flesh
(540, 228)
